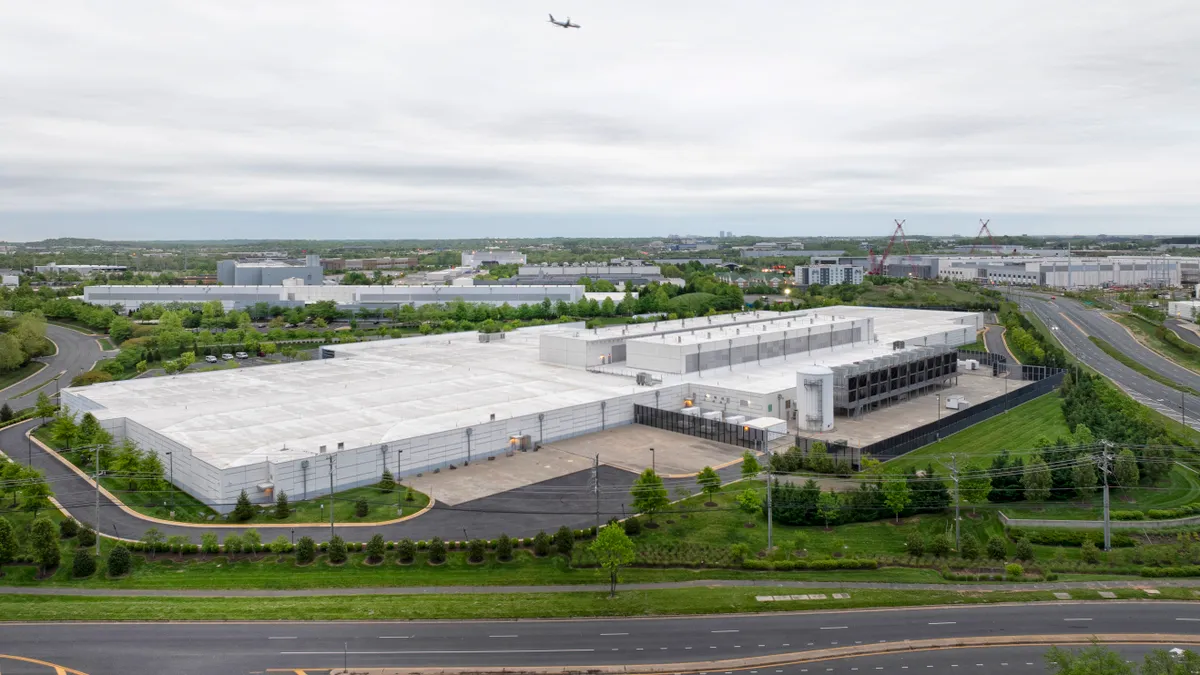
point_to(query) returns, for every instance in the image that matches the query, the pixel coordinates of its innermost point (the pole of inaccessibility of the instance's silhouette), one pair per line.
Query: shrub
(1024, 549)
(306, 550)
(1183, 571)
(119, 561)
(282, 508)
(541, 545)
(940, 545)
(437, 551)
(406, 550)
(996, 550)
(387, 482)
(244, 510)
(504, 548)
(361, 508)
(970, 547)
(68, 528)
(208, 543)
(739, 551)
(1127, 515)
(375, 548)
(564, 540)
(821, 565)
(633, 527)
(87, 536)
(915, 543)
(1067, 537)
(1014, 571)
(85, 565)
(476, 550)
(281, 545)
(337, 550)
(1089, 553)
(43, 536)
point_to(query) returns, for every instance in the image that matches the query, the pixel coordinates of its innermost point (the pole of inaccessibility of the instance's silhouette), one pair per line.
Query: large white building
(423, 403)
(82, 270)
(493, 257)
(828, 275)
(375, 297)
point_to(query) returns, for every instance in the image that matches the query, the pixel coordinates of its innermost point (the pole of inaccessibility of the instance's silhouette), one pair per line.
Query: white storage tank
(814, 398)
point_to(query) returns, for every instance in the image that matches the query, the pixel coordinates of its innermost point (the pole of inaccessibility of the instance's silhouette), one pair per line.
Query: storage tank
(814, 398)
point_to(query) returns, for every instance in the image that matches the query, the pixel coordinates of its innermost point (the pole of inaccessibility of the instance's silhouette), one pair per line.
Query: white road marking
(1077, 619)
(728, 630)
(1185, 618)
(446, 651)
(612, 634)
(834, 627)
(395, 637)
(942, 623)
(502, 636)
(290, 637)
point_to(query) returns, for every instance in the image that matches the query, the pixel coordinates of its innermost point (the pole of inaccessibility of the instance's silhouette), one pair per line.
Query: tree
(152, 538)
(970, 547)
(208, 543)
(282, 508)
(68, 528)
(87, 536)
(1083, 475)
(564, 541)
(1037, 480)
(84, 565)
(1162, 662)
(1024, 549)
(1126, 469)
(612, 549)
(709, 482)
(750, 465)
(337, 550)
(8, 543)
(996, 550)
(251, 541)
(91, 433)
(244, 510)
(44, 408)
(281, 545)
(233, 544)
(361, 507)
(406, 550)
(940, 545)
(975, 485)
(437, 551)
(387, 482)
(6, 412)
(36, 491)
(306, 550)
(1089, 553)
(915, 543)
(151, 469)
(649, 494)
(750, 504)
(120, 329)
(63, 430)
(119, 561)
(828, 507)
(541, 544)
(1094, 660)
(43, 537)
(896, 493)
(476, 551)
(375, 548)
(504, 548)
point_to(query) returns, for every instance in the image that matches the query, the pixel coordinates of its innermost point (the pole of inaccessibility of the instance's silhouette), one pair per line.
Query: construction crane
(879, 268)
(983, 227)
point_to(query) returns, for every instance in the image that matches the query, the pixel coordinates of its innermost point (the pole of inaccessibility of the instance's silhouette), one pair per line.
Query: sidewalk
(591, 588)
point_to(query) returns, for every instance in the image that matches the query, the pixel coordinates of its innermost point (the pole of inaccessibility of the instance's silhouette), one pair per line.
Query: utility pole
(97, 516)
(331, 532)
(596, 487)
(1183, 408)
(954, 477)
(1103, 462)
(171, 461)
(769, 528)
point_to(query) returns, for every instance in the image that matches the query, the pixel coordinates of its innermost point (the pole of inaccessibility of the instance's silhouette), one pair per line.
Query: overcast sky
(428, 118)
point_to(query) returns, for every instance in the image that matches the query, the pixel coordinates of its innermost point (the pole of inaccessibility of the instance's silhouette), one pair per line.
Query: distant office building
(352, 264)
(828, 275)
(270, 272)
(634, 273)
(82, 270)
(9, 278)
(787, 253)
(492, 257)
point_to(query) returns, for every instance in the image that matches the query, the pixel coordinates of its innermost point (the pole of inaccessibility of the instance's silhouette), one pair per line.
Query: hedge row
(826, 564)
(1067, 537)
(1182, 571)
(1158, 514)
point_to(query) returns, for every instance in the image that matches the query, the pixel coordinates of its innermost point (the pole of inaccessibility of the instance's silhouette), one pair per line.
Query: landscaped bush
(826, 564)
(564, 540)
(940, 545)
(996, 550)
(68, 528)
(915, 544)
(504, 548)
(970, 547)
(306, 550)
(85, 565)
(1181, 571)
(541, 545)
(437, 551)
(633, 527)
(1089, 553)
(1066, 537)
(86, 537)
(1177, 512)
(1127, 515)
(476, 551)
(375, 549)
(361, 508)
(406, 550)
(119, 561)
(337, 550)
(1014, 571)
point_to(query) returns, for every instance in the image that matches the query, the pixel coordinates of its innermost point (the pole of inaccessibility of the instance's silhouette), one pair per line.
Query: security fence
(695, 425)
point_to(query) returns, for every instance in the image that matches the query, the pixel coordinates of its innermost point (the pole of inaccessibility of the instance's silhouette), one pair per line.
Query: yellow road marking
(58, 670)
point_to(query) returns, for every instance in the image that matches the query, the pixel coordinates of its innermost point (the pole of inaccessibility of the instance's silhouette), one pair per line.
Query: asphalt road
(224, 648)
(77, 353)
(1183, 333)
(981, 661)
(994, 340)
(1073, 336)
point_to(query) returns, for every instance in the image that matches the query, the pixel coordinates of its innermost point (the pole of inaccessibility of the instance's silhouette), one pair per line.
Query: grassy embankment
(14, 376)
(1180, 352)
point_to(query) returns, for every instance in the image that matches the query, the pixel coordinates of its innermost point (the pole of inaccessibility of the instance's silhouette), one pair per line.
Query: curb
(803, 657)
(206, 526)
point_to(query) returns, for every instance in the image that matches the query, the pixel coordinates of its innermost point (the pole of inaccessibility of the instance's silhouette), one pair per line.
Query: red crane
(983, 227)
(878, 268)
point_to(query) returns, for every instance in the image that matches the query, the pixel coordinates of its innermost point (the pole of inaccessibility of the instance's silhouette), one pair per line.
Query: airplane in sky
(564, 24)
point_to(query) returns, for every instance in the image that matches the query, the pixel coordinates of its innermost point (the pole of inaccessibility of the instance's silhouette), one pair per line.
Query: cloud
(479, 108)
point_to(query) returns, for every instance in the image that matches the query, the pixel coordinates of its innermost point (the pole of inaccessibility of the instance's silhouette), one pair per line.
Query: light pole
(171, 463)
(653, 465)
(331, 532)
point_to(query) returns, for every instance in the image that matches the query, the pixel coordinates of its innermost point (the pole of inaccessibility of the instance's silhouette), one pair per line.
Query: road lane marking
(834, 627)
(281, 637)
(1078, 619)
(446, 651)
(942, 623)
(612, 634)
(727, 630)
(502, 636)
(1185, 618)
(395, 637)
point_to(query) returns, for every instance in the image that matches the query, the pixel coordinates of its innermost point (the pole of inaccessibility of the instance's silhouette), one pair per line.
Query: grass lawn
(500, 605)
(14, 376)
(1138, 367)
(381, 505)
(1144, 331)
(978, 345)
(106, 344)
(1180, 487)
(1015, 430)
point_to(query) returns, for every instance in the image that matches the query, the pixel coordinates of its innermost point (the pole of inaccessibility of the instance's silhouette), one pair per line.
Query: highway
(244, 647)
(1070, 323)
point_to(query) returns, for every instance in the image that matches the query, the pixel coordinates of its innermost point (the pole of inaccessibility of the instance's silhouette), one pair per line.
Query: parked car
(227, 357)
(210, 358)
(242, 355)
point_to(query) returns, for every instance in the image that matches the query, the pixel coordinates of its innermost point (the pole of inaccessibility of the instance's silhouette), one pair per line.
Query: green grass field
(978, 345)
(1145, 333)
(14, 376)
(1136, 366)
(1180, 487)
(1016, 430)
